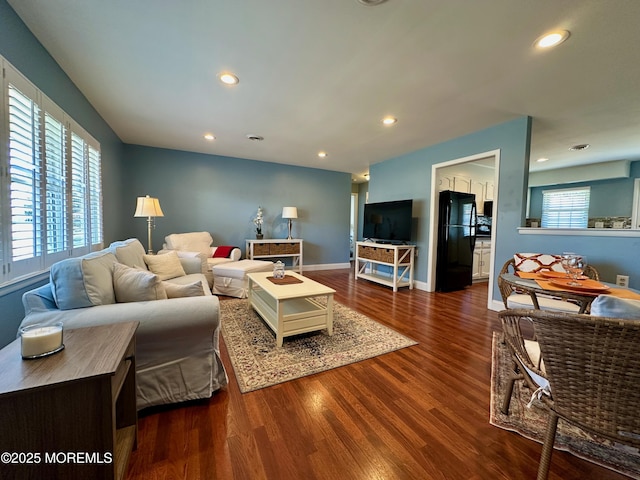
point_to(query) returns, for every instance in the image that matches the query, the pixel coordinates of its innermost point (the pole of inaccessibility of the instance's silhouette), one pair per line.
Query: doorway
(486, 158)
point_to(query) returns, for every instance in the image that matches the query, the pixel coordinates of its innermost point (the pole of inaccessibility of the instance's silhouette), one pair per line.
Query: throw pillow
(223, 251)
(615, 307)
(84, 281)
(136, 285)
(534, 262)
(175, 290)
(166, 265)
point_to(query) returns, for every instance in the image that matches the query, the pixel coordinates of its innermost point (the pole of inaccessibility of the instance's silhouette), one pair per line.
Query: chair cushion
(190, 242)
(136, 285)
(534, 262)
(84, 281)
(166, 265)
(533, 349)
(616, 307)
(521, 300)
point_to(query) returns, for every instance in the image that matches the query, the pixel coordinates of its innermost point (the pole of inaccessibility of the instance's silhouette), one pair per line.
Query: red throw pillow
(222, 252)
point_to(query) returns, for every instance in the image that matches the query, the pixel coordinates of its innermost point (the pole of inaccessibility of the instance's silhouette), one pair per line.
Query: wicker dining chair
(593, 366)
(525, 353)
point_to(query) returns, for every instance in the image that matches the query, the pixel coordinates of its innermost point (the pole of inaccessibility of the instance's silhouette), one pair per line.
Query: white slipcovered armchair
(198, 244)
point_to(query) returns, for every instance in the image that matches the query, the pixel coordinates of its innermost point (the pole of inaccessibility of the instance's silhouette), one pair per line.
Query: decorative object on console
(148, 207)
(289, 213)
(258, 220)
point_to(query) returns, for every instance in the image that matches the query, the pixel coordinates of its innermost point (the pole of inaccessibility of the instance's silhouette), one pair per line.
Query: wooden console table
(398, 258)
(73, 414)
(276, 248)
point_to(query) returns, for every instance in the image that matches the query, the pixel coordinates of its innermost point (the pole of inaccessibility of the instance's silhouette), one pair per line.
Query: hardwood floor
(419, 413)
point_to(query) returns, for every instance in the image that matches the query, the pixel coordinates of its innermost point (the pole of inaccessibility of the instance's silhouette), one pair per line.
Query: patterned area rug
(532, 422)
(258, 363)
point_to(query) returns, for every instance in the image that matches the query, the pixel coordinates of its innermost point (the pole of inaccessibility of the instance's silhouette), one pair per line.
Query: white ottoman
(231, 278)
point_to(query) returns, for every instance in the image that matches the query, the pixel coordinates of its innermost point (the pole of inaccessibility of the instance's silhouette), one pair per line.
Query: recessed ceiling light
(577, 148)
(371, 3)
(552, 39)
(389, 120)
(228, 78)
(322, 154)
(542, 159)
(255, 138)
(209, 136)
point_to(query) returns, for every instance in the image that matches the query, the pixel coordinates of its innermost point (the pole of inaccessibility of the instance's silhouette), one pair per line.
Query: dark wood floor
(418, 413)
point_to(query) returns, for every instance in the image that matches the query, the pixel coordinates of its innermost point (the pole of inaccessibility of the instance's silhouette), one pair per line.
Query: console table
(72, 414)
(276, 248)
(398, 260)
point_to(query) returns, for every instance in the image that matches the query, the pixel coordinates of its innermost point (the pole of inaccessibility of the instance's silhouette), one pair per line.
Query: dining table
(560, 286)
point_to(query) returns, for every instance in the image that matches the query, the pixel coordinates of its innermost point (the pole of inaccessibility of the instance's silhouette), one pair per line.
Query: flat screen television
(388, 221)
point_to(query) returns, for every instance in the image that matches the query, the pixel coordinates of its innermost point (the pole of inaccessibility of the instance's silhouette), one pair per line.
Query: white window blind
(50, 190)
(566, 208)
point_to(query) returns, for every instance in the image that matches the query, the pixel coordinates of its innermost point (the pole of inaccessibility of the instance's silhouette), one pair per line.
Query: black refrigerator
(457, 221)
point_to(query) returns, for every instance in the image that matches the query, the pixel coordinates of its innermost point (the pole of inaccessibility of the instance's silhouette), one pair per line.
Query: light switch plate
(618, 224)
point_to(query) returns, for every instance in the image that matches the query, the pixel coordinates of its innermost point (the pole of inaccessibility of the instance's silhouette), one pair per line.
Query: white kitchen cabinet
(481, 260)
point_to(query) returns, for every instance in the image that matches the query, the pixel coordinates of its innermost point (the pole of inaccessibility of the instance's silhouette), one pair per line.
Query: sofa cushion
(83, 281)
(190, 242)
(129, 252)
(166, 265)
(136, 285)
(616, 307)
(175, 290)
(534, 262)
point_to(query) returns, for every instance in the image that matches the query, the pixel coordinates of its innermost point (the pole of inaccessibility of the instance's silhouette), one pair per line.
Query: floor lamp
(148, 207)
(289, 213)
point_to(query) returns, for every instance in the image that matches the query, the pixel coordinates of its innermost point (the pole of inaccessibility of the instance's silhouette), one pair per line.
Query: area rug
(258, 363)
(532, 422)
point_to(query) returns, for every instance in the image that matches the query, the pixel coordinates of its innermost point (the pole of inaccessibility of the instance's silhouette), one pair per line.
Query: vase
(259, 236)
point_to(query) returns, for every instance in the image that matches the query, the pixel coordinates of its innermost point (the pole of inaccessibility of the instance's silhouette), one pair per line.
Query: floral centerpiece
(257, 221)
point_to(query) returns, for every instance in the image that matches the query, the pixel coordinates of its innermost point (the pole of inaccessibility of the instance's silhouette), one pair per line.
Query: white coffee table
(293, 308)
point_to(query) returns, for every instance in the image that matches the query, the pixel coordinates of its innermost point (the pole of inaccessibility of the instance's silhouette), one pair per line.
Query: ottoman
(231, 278)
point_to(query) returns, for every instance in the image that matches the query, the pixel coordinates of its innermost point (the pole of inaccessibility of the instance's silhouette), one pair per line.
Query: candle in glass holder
(40, 340)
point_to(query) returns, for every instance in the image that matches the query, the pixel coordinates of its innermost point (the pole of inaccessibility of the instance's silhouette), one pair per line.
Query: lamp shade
(148, 207)
(289, 212)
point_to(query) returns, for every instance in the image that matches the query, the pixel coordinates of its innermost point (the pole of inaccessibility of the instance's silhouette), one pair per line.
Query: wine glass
(577, 265)
(565, 260)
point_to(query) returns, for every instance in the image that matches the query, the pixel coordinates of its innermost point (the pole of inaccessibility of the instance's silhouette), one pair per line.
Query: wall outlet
(622, 280)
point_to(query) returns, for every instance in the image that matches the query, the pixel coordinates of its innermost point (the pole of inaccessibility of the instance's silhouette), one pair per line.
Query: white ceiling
(320, 75)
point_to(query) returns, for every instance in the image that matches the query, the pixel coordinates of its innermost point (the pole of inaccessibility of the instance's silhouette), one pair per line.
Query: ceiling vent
(371, 3)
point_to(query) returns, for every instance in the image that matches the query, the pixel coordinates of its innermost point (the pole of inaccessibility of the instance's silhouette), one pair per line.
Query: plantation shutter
(78, 191)
(95, 195)
(56, 184)
(24, 175)
(566, 208)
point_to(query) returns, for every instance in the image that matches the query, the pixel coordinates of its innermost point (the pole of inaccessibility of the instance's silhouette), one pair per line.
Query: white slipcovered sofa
(198, 244)
(177, 341)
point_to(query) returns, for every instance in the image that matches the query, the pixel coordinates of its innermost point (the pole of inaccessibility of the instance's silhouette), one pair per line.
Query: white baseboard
(326, 266)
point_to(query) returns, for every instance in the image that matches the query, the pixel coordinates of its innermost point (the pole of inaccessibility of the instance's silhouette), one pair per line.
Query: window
(566, 208)
(50, 192)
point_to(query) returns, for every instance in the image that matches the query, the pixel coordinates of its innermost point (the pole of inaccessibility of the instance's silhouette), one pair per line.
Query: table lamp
(289, 213)
(148, 207)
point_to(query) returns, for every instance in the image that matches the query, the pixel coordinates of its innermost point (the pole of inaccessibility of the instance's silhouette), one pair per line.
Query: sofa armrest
(169, 329)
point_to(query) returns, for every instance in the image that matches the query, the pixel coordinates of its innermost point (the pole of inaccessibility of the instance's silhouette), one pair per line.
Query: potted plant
(258, 223)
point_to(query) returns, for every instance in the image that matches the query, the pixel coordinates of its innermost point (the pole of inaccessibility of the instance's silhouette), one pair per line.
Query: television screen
(388, 221)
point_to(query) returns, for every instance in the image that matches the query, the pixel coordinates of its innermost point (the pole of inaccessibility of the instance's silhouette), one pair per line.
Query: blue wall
(608, 198)
(409, 176)
(221, 195)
